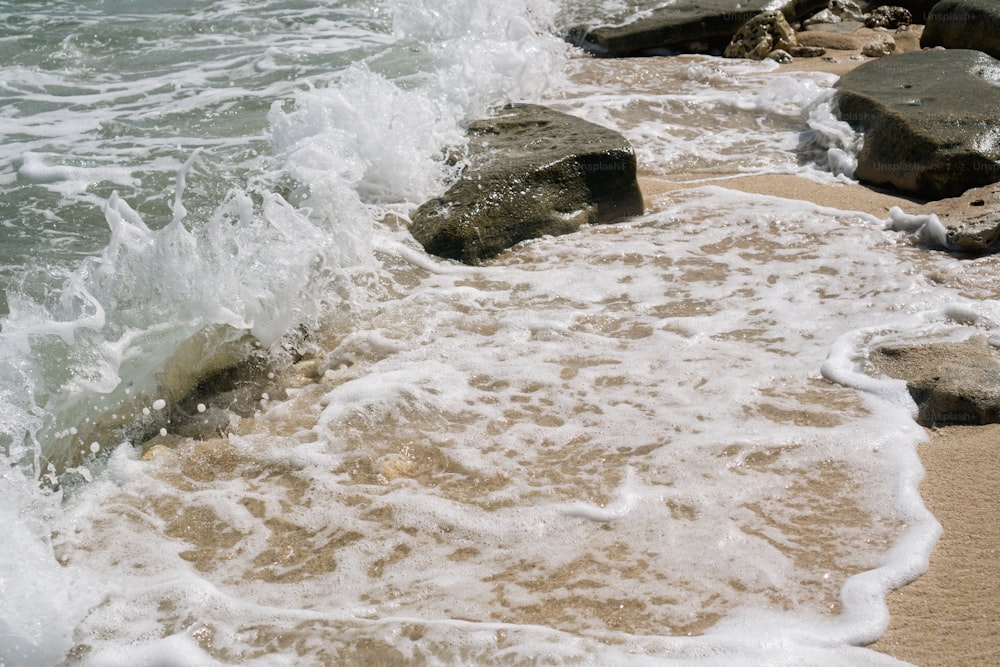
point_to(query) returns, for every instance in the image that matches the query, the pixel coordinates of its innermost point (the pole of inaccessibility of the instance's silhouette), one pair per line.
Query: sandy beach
(951, 614)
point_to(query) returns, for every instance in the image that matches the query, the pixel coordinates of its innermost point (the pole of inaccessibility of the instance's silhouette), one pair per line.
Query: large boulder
(533, 172)
(951, 383)
(931, 120)
(964, 24)
(686, 26)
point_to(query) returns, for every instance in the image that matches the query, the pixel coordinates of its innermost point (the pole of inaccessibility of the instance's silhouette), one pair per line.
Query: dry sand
(950, 616)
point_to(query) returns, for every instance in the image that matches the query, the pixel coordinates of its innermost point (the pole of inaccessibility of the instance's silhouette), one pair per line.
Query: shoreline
(950, 615)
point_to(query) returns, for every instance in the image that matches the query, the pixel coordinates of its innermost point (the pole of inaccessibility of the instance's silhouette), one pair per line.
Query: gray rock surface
(951, 383)
(964, 24)
(706, 24)
(972, 221)
(534, 172)
(879, 47)
(931, 120)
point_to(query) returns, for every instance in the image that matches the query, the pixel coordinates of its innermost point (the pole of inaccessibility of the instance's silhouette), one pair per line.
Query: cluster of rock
(930, 118)
(748, 29)
(931, 124)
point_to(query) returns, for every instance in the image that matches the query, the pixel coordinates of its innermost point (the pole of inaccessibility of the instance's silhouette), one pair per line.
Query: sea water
(651, 442)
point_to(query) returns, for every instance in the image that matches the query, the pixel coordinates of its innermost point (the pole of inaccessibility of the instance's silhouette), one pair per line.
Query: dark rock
(675, 27)
(964, 24)
(534, 172)
(918, 8)
(951, 383)
(806, 51)
(930, 120)
(889, 17)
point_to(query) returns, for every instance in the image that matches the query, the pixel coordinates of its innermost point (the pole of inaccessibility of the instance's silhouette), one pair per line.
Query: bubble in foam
(95, 447)
(159, 404)
(201, 407)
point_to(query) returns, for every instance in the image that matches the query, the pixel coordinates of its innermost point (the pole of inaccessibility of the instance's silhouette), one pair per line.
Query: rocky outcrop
(972, 221)
(533, 172)
(686, 26)
(930, 121)
(964, 24)
(951, 383)
(758, 37)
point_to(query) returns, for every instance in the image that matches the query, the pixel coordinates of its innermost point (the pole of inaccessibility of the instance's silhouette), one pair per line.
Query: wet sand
(950, 615)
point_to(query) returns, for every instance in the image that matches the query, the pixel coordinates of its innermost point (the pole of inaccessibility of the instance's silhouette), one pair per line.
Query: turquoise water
(582, 453)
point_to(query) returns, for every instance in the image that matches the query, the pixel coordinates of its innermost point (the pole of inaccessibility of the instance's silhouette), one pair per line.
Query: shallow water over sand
(618, 445)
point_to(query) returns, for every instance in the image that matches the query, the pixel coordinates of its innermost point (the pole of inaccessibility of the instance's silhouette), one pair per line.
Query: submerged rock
(951, 383)
(964, 24)
(707, 23)
(534, 172)
(930, 120)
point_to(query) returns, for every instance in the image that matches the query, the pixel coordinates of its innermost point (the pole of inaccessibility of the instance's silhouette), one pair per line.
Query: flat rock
(686, 26)
(964, 24)
(533, 172)
(931, 120)
(951, 383)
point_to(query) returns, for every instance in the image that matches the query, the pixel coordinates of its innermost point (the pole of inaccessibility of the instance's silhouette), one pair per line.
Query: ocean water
(653, 442)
